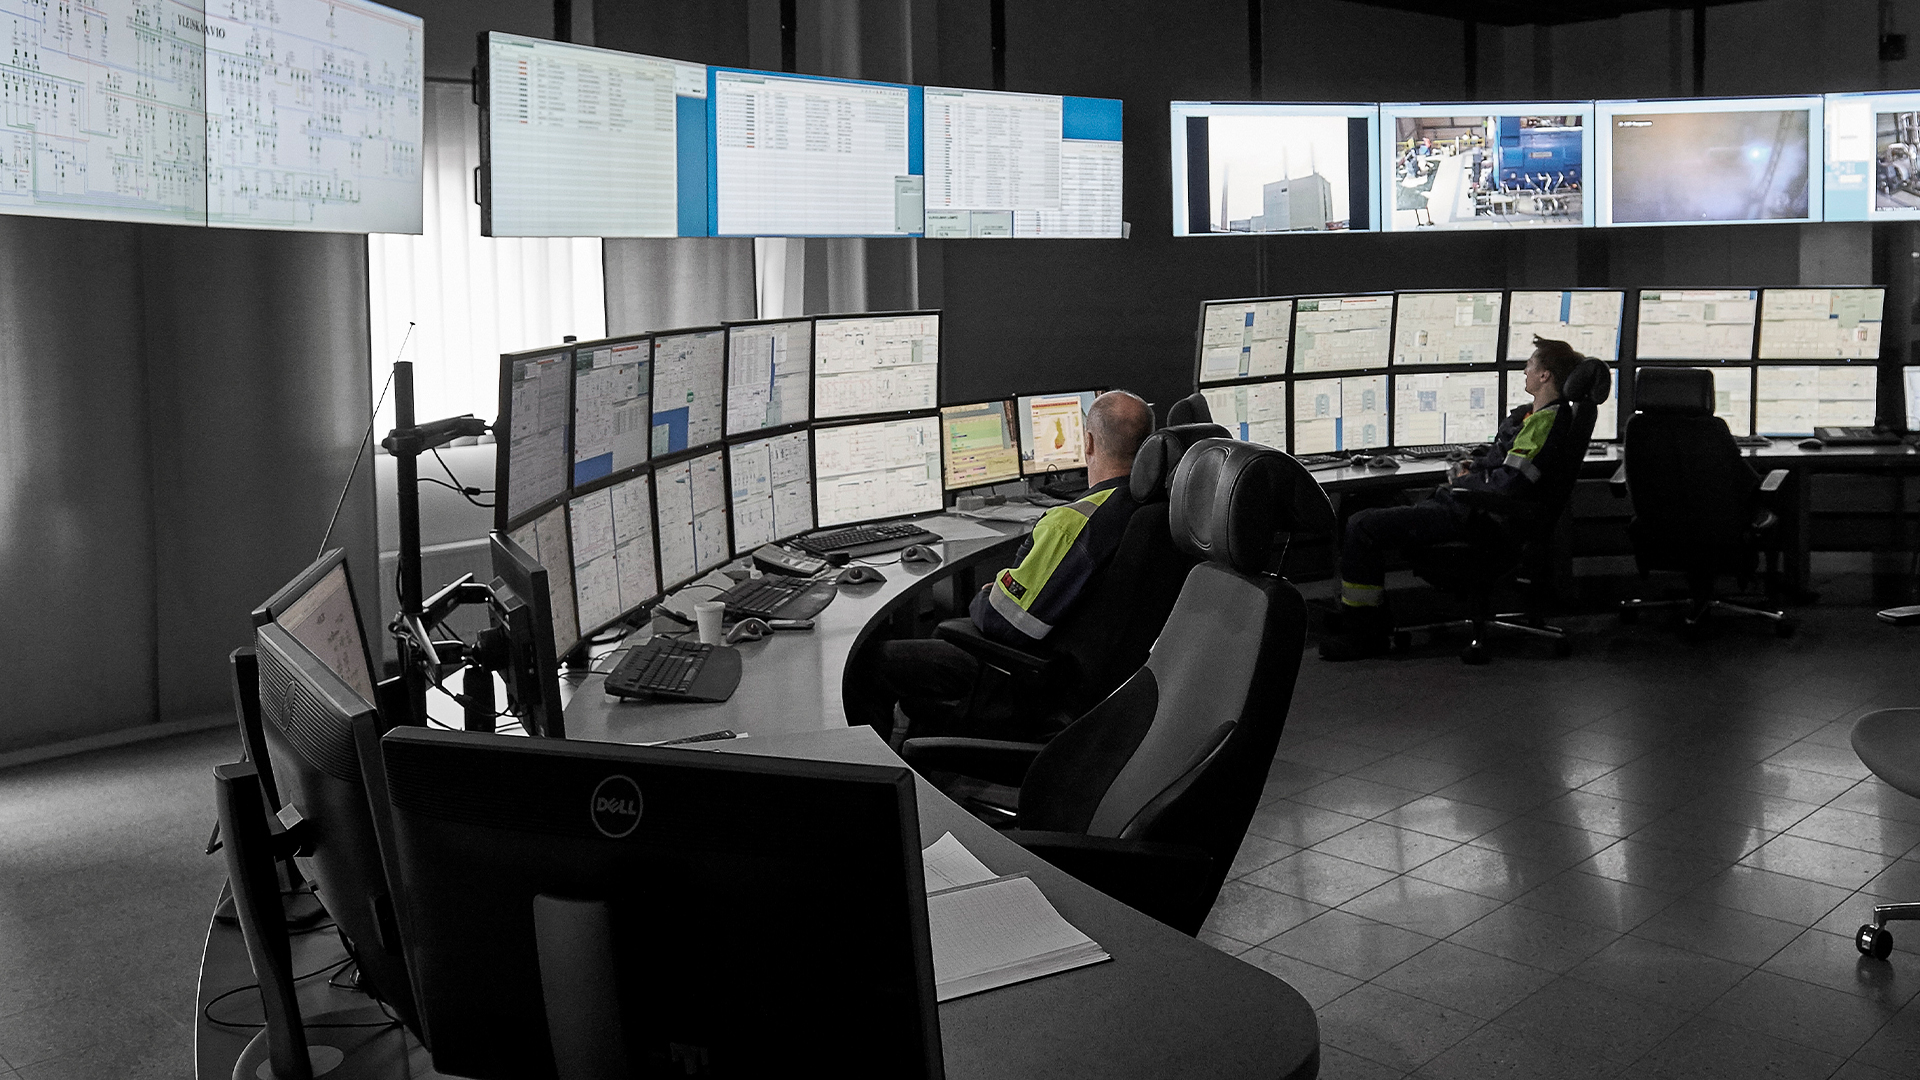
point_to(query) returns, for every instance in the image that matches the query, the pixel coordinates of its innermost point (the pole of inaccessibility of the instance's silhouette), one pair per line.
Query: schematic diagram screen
(1793, 400)
(1244, 339)
(1053, 431)
(1342, 333)
(1606, 419)
(1447, 328)
(1001, 164)
(613, 562)
(592, 142)
(1697, 324)
(980, 444)
(876, 364)
(1588, 321)
(1331, 415)
(866, 472)
(769, 375)
(772, 483)
(797, 155)
(545, 538)
(689, 379)
(534, 464)
(612, 416)
(1447, 407)
(103, 110)
(691, 518)
(1821, 324)
(1253, 412)
(314, 116)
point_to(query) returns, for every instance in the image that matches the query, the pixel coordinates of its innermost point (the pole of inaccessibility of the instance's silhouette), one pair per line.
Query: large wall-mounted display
(1873, 156)
(1268, 167)
(1485, 166)
(1708, 161)
(1035, 165)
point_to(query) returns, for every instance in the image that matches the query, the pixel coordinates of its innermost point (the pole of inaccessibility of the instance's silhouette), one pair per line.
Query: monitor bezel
(270, 610)
(1012, 416)
(531, 587)
(1761, 366)
(814, 461)
(1200, 340)
(1178, 112)
(1393, 397)
(939, 363)
(727, 434)
(575, 484)
(1293, 335)
(566, 530)
(573, 568)
(763, 435)
(503, 440)
(1293, 392)
(1908, 374)
(1499, 331)
(1606, 109)
(1639, 308)
(1760, 326)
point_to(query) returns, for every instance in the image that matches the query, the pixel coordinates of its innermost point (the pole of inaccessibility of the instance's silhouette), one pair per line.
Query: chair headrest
(1192, 409)
(1161, 452)
(1673, 391)
(1236, 503)
(1590, 382)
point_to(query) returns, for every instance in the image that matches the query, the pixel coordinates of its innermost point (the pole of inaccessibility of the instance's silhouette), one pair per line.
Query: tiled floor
(1643, 861)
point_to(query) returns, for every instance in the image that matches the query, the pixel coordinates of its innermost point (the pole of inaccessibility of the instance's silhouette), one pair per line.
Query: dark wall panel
(76, 541)
(704, 31)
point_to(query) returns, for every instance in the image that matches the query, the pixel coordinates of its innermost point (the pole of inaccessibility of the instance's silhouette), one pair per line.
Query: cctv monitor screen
(1704, 161)
(876, 470)
(1606, 419)
(804, 155)
(980, 444)
(1588, 320)
(1002, 165)
(582, 141)
(1242, 168)
(876, 364)
(1053, 431)
(614, 570)
(1873, 156)
(1795, 399)
(689, 384)
(1336, 415)
(1821, 324)
(690, 518)
(1244, 339)
(1697, 324)
(769, 375)
(1461, 407)
(772, 484)
(545, 538)
(1446, 328)
(1342, 333)
(1481, 166)
(1910, 384)
(1253, 412)
(611, 407)
(535, 402)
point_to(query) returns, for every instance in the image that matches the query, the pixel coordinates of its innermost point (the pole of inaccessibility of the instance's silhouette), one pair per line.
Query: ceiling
(1516, 13)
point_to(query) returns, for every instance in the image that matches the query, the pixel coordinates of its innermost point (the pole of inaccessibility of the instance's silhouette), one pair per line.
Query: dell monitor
(1253, 412)
(522, 612)
(1696, 324)
(612, 381)
(769, 375)
(1247, 168)
(1477, 165)
(689, 385)
(979, 444)
(1795, 399)
(1458, 407)
(1053, 431)
(663, 910)
(1587, 319)
(870, 364)
(1821, 324)
(546, 538)
(536, 404)
(1340, 415)
(1243, 339)
(690, 518)
(1342, 333)
(1446, 328)
(771, 481)
(614, 572)
(876, 470)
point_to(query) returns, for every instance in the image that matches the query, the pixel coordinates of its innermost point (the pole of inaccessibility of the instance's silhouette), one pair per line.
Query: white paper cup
(708, 614)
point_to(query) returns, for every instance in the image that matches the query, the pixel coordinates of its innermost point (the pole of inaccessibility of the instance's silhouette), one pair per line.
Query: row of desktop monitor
(1265, 337)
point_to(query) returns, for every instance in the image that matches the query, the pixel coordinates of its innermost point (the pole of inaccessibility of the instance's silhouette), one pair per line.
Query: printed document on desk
(949, 865)
(999, 932)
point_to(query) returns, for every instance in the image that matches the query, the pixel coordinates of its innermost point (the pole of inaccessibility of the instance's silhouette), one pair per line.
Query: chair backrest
(1179, 753)
(1192, 409)
(1586, 389)
(1691, 488)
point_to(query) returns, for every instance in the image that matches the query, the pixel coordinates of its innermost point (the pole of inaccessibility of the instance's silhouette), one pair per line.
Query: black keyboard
(865, 539)
(677, 669)
(777, 596)
(1323, 461)
(1430, 451)
(1759, 441)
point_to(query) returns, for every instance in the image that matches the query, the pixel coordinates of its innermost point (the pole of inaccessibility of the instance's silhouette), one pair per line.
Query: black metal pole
(407, 481)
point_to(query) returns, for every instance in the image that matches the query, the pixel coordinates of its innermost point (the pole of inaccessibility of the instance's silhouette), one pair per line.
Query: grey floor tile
(1707, 1049)
(1711, 930)
(1712, 837)
(1324, 879)
(1298, 824)
(1831, 960)
(1850, 828)
(1448, 818)
(1592, 1020)
(1874, 797)
(1465, 979)
(1536, 938)
(1287, 777)
(1599, 746)
(1597, 813)
(1545, 841)
(1818, 861)
(1413, 773)
(1257, 851)
(1420, 906)
(1895, 1048)
(1360, 798)
(1385, 846)
(1777, 896)
(1816, 1016)
(1860, 1070)
(1802, 785)
(1500, 790)
(1249, 913)
(1651, 867)
(1487, 872)
(1328, 754)
(1814, 757)
(1660, 973)
(1502, 1053)
(1769, 812)
(1337, 1064)
(1349, 944)
(1391, 1028)
(1318, 985)
(1900, 879)
(1601, 901)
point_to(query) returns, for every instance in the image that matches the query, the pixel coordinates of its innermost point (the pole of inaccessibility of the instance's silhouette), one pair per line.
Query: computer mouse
(861, 575)
(1812, 444)
(1458, 454)
(919, 553)
(1382, 461)
(748, 630)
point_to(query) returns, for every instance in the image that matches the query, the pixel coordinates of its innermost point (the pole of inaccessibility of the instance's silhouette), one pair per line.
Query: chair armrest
(985, 759)
(1617, 483)
(1166, 881)
(963, 633)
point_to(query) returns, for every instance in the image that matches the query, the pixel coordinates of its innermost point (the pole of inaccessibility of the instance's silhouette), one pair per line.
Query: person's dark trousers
(927, 677)
(1371, 533)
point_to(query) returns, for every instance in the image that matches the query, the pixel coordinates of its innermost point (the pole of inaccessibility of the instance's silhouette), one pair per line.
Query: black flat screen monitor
(868, 364)
(769, 375)
(523, 609)
(319, 610)
(761, 911)
(771, 480)
(549, 541)
(615, 569)
(690, 518)
(1053, 430)
(877, 470)
(689, 389)
(612, 411)
(536, 413)
(980, 444)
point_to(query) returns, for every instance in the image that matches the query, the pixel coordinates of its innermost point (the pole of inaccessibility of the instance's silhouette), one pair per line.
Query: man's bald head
(1116, 426)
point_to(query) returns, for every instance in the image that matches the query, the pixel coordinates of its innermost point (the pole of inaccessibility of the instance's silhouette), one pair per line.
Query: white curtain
(470, 297)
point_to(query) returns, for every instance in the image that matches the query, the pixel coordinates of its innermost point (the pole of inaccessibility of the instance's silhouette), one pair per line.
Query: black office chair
(1888, 742)
(1147, 797)
(1192, 409)
(1699, 508)
(1512, 538)
(1107, 637)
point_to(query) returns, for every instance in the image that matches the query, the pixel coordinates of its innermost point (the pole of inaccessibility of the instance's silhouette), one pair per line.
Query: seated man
(1068, 547)
(1507, 467)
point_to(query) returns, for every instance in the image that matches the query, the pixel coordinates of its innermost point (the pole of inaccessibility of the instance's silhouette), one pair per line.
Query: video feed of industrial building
(1482, 171)
(1270, 174)
(1710, 166)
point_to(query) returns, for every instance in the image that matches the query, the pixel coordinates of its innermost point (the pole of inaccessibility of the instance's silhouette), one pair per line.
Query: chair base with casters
(1698, 610)
(1888, 743)
(1463, 569)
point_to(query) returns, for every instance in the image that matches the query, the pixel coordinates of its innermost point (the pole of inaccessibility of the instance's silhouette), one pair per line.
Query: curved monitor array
(1333, 374)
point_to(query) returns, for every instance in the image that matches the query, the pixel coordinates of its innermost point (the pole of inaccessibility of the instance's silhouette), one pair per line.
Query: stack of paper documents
(993, 931)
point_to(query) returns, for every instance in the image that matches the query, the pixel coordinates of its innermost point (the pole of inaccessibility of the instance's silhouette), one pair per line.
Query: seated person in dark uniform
(1507, 467)
(1067, 549)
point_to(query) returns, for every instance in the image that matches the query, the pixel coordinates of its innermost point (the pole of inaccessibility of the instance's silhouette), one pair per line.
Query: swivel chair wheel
(1562, 648)
(1873, 941)
(1402, 640)
(1475, 654)
(1783, 628)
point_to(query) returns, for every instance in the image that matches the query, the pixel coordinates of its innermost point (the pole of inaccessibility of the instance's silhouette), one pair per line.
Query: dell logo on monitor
(616, 807)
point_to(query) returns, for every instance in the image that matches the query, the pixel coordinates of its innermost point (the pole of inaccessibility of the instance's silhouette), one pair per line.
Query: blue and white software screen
(1001, 164)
